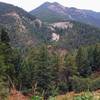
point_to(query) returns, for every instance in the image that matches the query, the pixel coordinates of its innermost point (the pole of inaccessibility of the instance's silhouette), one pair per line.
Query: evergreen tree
(41, 68)
(96, 58)
(82, 62)
(9, 60)
(4, 36)
(5, 65)
(70, 69)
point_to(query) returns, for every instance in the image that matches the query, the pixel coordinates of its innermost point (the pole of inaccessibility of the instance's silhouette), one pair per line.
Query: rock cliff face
(55, 37)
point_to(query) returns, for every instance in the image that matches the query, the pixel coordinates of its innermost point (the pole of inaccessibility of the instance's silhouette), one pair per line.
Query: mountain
(26, 30)
(19, 24)
(53, 12)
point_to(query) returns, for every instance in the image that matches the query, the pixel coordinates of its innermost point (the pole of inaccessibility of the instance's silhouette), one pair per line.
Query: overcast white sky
(32, 4)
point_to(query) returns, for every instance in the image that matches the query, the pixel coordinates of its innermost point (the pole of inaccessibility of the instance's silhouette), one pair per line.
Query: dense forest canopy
(48, 70)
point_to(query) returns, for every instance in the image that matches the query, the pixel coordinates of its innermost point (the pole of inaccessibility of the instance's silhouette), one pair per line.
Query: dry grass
(16, 95)
(71, 95)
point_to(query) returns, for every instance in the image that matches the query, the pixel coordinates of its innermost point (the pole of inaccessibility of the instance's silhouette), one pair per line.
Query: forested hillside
(48, 70)
(26, 30)
(19, 24)
(44, 60)
(73, 34)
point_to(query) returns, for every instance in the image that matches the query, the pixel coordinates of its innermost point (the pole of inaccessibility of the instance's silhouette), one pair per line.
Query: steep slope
(25, 30)
(52, 12)
(71, 34)
(19, 24)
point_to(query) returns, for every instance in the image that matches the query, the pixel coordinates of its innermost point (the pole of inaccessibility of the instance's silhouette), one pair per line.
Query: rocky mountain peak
(52, 12)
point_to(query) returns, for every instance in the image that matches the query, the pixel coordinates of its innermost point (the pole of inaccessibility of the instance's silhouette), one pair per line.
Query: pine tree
(5, 54)
(4, 36)
(8, 60)
(82, 62)
(96, 58)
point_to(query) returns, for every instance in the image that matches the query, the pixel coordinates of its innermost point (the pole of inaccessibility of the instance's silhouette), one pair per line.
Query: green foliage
(39, 68)
(96, 57)
(5, 64)
(54, 90)
(87, 60)
(82, 62)
(63, 87)
(51, 98)
(70, 64)
(79, 35)
(95, 84)
(4, 90)
(4, 36)
(8, 58)
(80, 84)
(85, 96)
(36, 98)
(42, 69)
(45, 71)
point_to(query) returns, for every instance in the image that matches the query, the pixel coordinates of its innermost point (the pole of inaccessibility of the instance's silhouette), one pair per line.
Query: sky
(29, 5)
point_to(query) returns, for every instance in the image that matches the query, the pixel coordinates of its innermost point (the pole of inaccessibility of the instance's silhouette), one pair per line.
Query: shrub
(54, 90)
(85, 96)
(83, 84)
(4, 90)
(63, 87)
(51, 98)
(95, 84)
(80, 84)
(36, 98)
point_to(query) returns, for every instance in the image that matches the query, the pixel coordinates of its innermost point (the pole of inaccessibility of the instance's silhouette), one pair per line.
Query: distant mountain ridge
(26, 30)
(52, 12)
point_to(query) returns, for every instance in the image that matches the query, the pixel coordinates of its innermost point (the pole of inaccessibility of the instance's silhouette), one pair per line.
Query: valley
(51, 52)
